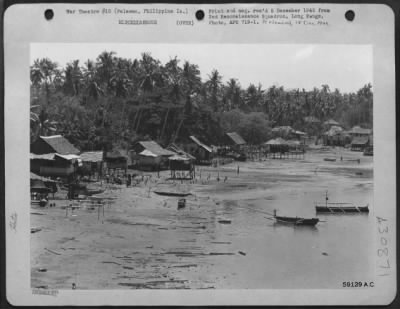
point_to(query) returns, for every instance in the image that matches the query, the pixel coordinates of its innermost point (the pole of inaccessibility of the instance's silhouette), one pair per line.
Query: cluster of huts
(54, 156)
(357, 138)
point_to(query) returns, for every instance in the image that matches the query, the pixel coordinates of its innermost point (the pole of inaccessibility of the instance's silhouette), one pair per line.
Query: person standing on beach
(238, 170)
(129, 180)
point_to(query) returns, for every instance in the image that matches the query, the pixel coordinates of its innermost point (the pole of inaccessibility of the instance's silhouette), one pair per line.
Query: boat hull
(171, 193)
(346, 209)
(297, 221)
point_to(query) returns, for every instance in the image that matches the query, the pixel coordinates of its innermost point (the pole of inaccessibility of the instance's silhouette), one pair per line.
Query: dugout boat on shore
(171, 193)
(339, 208)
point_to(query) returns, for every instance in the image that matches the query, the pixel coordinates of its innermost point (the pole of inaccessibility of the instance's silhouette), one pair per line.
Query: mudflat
(221, 239)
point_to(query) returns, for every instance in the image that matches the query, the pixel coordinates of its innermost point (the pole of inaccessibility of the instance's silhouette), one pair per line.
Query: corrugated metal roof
(60, 144)
(277, 141)
(179, 151)
(68, 157)
(37, 177)
(194, 139)
(148, 153)
(236, 138)
(156, 149)
(46, 156)
(178, 158)
(92, 156)
(331, 122)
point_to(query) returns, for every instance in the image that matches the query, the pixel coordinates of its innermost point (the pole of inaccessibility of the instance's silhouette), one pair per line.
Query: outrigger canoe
(340, 208)
(167, 193)
(295, 220)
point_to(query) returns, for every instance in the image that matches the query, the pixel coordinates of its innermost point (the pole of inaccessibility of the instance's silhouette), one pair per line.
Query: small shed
(359, 143)
(151, 156)
(53, 156)
(148, 161)
(336, 136)
(181, 161)
(181, 164)
(278, 145)
(357, 131)
(116, 160)
(199, 150)
(41, 185)
(92, 162)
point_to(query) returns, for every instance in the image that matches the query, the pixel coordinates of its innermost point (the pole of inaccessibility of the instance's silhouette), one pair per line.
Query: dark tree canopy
(112, 101)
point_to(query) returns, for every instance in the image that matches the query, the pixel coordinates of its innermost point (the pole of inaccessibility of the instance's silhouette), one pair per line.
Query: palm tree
(254, 97)
(92, 88)
(43, 72)
(73, 78)
(150, 74)
(274, 103)
(132, 71)
(120, 81)
(325, 101)
(174, 78)
(36, 74)
(233, 94)
(214, 87)
(151, 77)
(105, 68)
(191, 83)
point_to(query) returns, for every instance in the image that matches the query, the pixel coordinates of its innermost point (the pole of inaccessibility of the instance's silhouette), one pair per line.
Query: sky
(346, 67)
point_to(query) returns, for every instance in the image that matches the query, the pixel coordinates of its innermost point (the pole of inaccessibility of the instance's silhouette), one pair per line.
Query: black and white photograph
(173, 167)
(224, 154)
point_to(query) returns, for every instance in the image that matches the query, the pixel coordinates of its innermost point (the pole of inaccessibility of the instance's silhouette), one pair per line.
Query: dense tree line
(113, 102)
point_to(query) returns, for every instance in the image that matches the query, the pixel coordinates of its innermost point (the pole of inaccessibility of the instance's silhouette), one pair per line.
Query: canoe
(339, 208)
(297, 220)
(41, 203)
(94, 191)
(342, 209)
(166, 193)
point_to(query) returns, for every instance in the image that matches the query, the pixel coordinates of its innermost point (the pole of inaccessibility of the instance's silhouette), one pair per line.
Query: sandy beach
(221, 239)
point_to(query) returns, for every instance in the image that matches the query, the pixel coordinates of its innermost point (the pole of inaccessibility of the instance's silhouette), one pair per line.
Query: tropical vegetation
(113, 102)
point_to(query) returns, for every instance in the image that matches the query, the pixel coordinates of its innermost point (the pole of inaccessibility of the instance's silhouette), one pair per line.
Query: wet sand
(221, 239)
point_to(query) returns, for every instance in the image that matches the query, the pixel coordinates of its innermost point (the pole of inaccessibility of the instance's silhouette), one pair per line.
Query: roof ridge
(52, 136)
